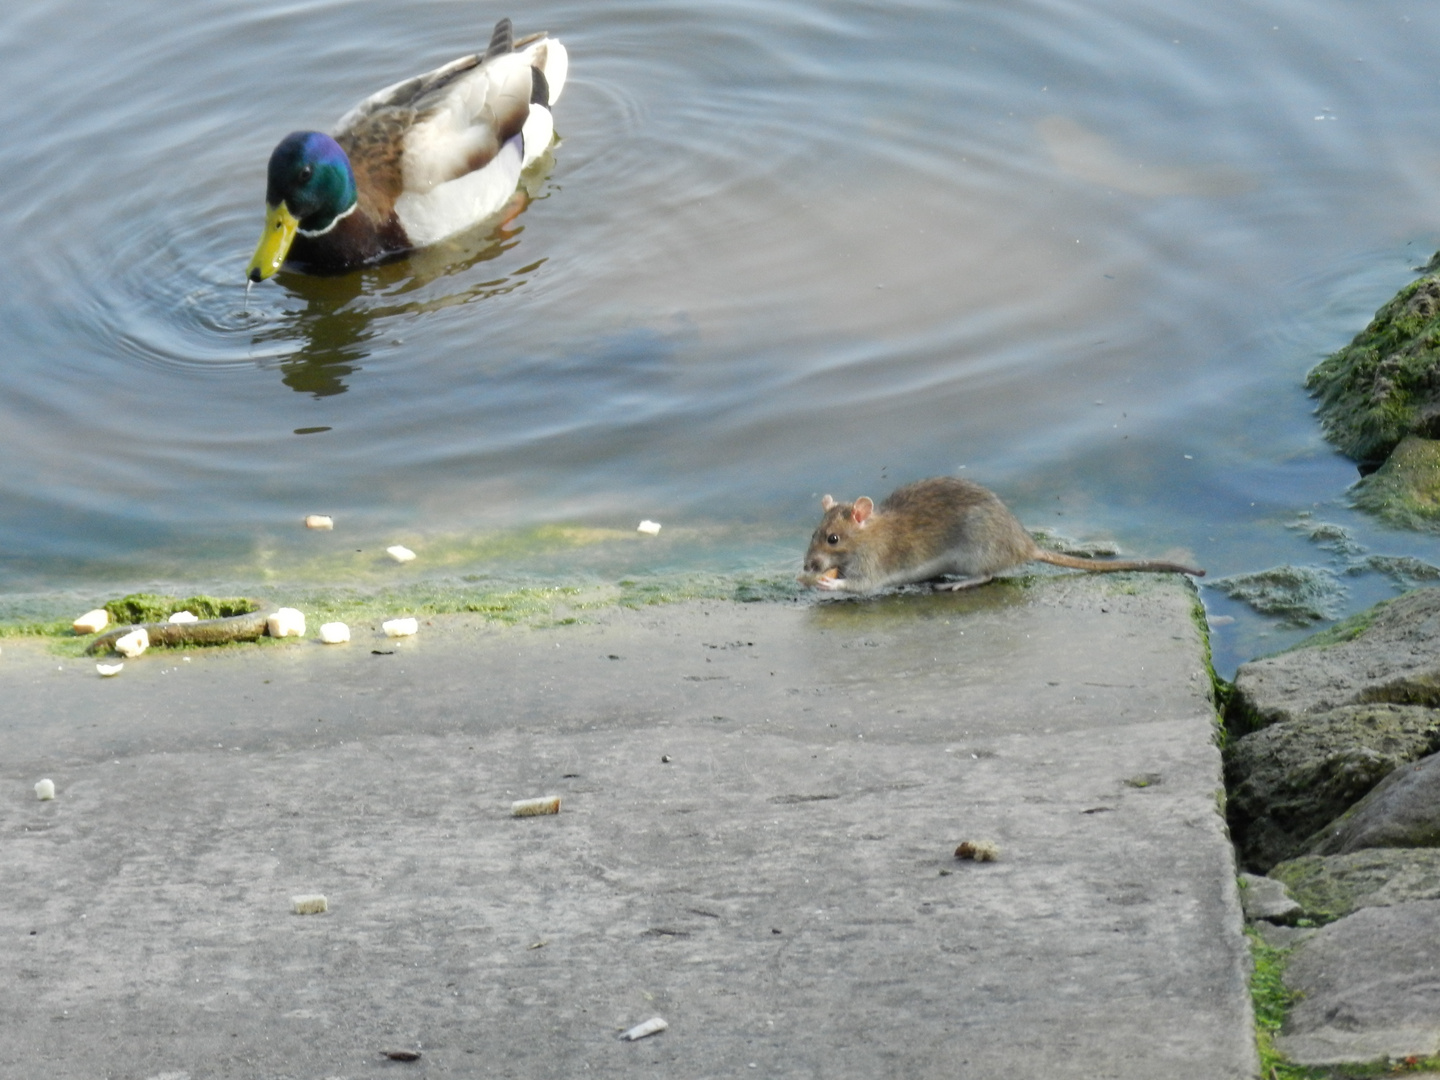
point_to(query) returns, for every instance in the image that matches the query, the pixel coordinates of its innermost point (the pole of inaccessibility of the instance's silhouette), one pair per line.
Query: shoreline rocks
(1333, 781)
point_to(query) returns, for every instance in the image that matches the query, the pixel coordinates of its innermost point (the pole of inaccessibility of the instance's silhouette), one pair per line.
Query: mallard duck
(414, 163)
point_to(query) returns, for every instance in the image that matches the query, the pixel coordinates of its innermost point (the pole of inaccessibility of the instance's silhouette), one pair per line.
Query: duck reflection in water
(338, 318)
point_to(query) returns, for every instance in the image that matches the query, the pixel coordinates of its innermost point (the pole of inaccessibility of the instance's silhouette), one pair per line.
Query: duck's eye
(307, 172)
(833, 538)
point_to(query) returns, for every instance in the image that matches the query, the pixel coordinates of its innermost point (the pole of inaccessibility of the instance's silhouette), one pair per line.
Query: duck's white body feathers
(466, 132)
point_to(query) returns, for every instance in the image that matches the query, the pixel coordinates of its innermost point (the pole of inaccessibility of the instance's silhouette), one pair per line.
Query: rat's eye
(833, 538)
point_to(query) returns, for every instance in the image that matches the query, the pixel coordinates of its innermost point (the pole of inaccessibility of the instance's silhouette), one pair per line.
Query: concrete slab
(782, 889)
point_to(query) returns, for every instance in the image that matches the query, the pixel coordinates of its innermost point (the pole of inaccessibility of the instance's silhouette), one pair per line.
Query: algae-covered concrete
(760, 808)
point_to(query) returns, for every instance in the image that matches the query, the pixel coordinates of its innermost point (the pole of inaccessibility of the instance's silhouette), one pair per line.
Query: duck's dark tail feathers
(502, 40)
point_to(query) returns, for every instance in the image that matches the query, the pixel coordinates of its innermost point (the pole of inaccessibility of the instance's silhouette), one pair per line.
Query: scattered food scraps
(649, 528)
(287, 622)
(312, 904)
(400, 627)
(92, 622)
(402, 1055)
(184, 617)
(334, 633)
(653, 1026)
(979, 850)
(45, 790)
(534, 807)
(134, 643)
(400, 553)
(319, 521)
(109, 671)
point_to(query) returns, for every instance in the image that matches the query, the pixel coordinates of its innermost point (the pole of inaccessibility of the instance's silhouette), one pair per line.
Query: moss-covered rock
(1388, 653)
(1289, 780)
(1405, 491)
(1385, 384)
(1329, 887)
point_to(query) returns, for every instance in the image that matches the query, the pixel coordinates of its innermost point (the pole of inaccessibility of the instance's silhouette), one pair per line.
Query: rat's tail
(1105, 565)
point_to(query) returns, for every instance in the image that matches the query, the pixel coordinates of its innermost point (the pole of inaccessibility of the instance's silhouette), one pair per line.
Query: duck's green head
(310, 188)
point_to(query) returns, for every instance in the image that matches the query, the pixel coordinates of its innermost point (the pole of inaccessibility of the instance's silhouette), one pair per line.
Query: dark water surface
(1084, 251)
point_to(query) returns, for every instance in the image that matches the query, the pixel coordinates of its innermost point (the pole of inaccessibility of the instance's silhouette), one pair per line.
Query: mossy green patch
(154, 607)
(502, 601)
(1385, 384)
(1405, 491)
(1345, 630)
(1271, 1000)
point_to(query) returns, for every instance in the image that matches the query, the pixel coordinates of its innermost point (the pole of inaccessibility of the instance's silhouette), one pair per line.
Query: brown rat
(929, 529)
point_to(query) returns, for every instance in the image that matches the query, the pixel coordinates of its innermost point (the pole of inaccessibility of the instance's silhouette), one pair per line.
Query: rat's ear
(828, 502)
(862, 510)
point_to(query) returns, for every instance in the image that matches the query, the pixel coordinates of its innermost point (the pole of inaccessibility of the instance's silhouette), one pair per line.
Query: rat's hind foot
(957, 584)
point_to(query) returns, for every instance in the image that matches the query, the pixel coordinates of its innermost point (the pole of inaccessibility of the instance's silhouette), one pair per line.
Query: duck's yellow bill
(275, 241)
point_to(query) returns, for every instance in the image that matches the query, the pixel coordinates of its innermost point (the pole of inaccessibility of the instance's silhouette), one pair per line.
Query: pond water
(1084, 252)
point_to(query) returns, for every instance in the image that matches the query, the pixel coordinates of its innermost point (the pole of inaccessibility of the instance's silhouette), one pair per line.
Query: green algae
(1345, 630)
(155, 607)
(1298, 594)
(1271, 1001)
(504, 602)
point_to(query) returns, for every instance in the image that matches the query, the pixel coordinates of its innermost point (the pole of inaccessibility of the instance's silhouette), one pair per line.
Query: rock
(1368, 988)
(1265, 898)
(1291, 779)
(1329, 887)
(1389, 653)
(1385, 384)
(1402, 811)
(1299, 594)
(1405, 491)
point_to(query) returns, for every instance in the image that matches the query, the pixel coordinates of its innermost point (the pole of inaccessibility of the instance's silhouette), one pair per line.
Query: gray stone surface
(1265, 898)
(1328, 887)
(1395, 659)
(1370, 986)
(782, 889)
(1402, 811)
(1289, 780)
